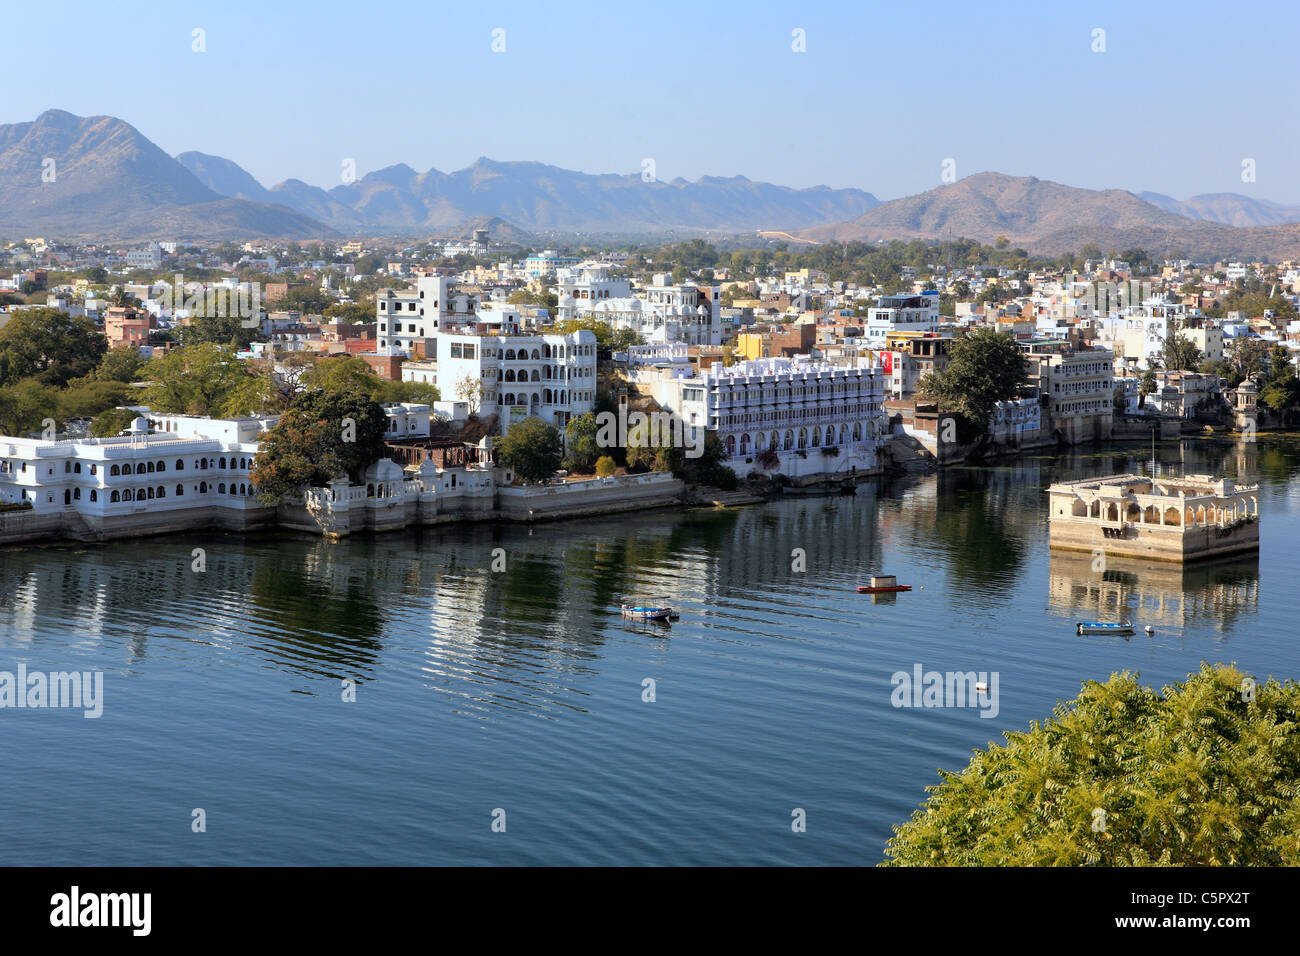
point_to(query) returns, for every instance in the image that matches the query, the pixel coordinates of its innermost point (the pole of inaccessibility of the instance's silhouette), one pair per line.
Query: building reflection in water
(1212, 594)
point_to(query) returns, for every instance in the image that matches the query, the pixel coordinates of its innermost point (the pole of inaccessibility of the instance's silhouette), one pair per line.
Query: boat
(883, 584)
(1104, 627)
(641, 612)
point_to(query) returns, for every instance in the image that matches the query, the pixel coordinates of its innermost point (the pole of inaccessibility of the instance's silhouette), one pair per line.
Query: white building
(581, 288)
(404, 317)
(517, 376)
(794, 417)
(147, 257)
(665, 313)
(903, 313)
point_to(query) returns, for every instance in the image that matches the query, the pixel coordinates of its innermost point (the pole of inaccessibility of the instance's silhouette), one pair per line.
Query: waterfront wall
(344, 509)
(1156, 543)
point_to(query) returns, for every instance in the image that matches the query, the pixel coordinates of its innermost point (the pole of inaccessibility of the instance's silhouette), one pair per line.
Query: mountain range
(110, 181)
(1050, 219)
(99, 178)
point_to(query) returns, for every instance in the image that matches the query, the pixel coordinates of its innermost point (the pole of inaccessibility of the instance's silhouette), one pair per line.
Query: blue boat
(1104, 627)
(648, 613)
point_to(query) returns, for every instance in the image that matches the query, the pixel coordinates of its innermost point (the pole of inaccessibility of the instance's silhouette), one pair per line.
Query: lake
(520, 695)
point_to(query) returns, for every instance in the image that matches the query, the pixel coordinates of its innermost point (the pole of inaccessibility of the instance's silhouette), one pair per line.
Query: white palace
(800, 418)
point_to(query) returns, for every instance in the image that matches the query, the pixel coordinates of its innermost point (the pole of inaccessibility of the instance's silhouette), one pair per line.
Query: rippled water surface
(523, 690)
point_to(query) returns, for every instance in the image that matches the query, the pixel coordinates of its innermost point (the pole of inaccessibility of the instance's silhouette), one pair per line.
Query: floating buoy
(1149, 629)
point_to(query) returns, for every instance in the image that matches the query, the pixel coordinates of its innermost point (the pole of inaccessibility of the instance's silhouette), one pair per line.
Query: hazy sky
(884, 93)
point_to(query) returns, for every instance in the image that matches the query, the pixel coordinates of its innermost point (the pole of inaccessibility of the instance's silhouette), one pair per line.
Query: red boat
(883, 584)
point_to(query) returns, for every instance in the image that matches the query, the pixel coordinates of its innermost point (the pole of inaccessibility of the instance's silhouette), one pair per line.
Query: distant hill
(1049, 219)
(1229, 209)
(110, 181)
(534, 197)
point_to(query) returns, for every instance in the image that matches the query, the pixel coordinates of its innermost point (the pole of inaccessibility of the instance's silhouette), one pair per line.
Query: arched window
(510, 355)
(94, 495)
(536, 355)
(180, 490)
(510, 375)
(126, 469)
(221, 488)
(78, 468)
(144, 493)
(116, 496)
(162, 492)
(162, 466)
(232, 485)
(370, 491)
(243, 490)
(67, 496)
(203, 487)
(536, 375)
(180, 464)
(128, 495)
(115, 470)
(148, 466)
(223, 463)
(76, 494)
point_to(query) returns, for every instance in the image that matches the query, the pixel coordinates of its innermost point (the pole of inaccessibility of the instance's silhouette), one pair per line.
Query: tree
(581, 445)
(50, 346)
(324, 434)
(342, 374)
(221, 329)
(608, 338)
(469, 389)
(206, 379)
(27, 406)
(121, 364)
(531, 449)
(87, 397)
(1200, 774)
(604, 466)
(984, 367)
(1146, 386)
(1178, 352)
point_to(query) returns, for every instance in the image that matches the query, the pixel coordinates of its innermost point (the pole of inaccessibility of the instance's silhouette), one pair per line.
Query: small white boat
(1104, 627)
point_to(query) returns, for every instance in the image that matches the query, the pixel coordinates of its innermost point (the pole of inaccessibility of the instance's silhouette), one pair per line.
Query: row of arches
(1171, 515)
(149, 467)
(144, 494)
(793, 439)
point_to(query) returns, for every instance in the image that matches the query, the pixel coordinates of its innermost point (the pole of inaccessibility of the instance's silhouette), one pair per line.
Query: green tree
(345, 373)
(27, 406)
(604, 466)
(121, 364)
(985, 367)
(87, 397)
(50, 346)
(532, 449)
(580, 444)
(220, 329)
(206, 379)
(1200, 774)
(323, 434)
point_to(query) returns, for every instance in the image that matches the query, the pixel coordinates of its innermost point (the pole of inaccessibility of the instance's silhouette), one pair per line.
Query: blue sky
(882, 96)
